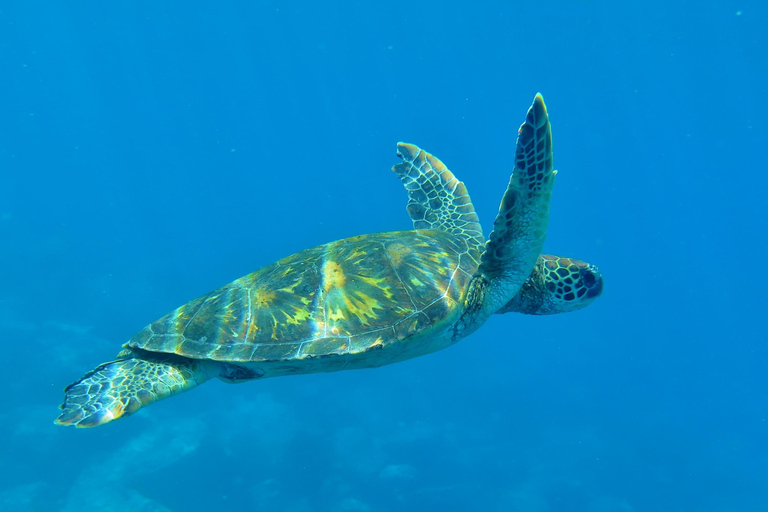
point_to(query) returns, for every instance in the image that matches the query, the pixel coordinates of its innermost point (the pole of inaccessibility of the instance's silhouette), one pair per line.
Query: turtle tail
(122, 387)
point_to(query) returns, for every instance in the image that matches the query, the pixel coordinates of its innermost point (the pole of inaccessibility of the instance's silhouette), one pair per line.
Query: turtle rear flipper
(122, 387)
(436, 199)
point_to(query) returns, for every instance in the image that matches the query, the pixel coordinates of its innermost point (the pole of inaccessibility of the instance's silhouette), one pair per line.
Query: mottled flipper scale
(122, 387)
(436, 199)
(521, 224)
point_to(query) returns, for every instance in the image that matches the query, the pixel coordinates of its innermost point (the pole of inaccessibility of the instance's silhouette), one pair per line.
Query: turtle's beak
(594, 281)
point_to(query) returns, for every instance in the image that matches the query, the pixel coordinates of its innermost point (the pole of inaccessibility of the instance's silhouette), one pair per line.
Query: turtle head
(557, 285)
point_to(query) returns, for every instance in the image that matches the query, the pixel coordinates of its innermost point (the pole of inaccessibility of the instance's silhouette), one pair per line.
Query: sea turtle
(360, 302)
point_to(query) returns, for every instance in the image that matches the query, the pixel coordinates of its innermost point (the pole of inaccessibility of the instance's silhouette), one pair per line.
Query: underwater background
(153, 151)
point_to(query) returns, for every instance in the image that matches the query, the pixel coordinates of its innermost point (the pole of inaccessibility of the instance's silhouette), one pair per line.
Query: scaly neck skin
(483, 300)
(489, 295)
(530, 298)
(477, 308)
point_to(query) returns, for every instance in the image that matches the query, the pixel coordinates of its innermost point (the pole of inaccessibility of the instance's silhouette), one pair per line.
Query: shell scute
(274, 351)
(370, 341)
(411, 326)
(324, 346)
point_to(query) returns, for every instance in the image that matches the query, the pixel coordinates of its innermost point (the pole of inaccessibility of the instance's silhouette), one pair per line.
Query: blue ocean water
(153, 151)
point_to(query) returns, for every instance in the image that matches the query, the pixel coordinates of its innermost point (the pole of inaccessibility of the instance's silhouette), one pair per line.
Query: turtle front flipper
(124, 386)
(521, 224)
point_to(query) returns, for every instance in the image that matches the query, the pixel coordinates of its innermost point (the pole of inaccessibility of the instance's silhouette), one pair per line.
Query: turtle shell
(345, 297)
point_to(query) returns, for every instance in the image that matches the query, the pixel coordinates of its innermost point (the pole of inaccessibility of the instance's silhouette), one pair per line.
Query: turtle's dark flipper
(521, 224)
(122, 387)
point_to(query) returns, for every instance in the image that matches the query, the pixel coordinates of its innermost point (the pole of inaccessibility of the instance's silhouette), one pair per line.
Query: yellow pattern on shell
(333, 276)
(397, 252)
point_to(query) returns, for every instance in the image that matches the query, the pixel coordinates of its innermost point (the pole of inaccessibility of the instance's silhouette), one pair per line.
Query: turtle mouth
(594, 281)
